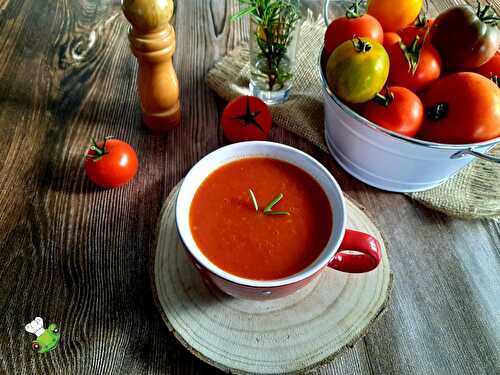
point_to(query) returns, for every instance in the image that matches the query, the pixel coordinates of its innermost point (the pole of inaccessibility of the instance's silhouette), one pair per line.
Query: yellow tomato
(393, 15)
(357, 70)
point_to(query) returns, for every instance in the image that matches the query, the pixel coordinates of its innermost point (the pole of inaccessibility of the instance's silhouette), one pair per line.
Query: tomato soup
(254, 245)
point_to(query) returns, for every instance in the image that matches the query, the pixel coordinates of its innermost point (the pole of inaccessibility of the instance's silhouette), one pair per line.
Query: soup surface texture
(250, 244)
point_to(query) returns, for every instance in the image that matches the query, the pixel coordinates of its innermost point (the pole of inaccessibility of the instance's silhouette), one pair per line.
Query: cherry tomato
(391, 38)
(464, 37)
(461, 108)
(413, 66)
(357, 70)
(398, 109)
(420, 28)
(354, 24)
(246, 118)
(394, 15)
(491, 69)
(111, 163)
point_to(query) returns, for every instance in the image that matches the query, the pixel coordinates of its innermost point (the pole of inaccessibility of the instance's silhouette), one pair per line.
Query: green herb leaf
(276, 213)
(254, 200)
(276, 199)
(276, 21)
(242, 13)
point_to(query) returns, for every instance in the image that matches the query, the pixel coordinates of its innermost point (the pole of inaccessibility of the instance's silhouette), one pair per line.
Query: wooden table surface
(78, 255)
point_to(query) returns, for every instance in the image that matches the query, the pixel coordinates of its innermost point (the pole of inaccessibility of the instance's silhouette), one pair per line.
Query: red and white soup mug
(347, 250)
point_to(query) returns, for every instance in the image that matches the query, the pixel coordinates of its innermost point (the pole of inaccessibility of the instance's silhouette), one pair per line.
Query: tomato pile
(436, 80)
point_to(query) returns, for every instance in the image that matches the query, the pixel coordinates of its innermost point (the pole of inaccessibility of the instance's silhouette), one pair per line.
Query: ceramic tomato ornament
(414, 66)
(354, 24)
(461, 108)
(466, 38)
(357, 70)
(111, 163)
(394, 15)
(246, 118)
(397, 109)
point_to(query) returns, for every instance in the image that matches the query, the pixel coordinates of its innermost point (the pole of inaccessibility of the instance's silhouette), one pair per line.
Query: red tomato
(354, 24)
(413, 66)
(420, 28)
(466, 37)
(491, 69)
(391, 38)
(111, 163)
(399, 110)
(246, 118)
(461, 108)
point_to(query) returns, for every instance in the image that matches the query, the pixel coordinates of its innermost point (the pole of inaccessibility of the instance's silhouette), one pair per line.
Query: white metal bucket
(387, 160)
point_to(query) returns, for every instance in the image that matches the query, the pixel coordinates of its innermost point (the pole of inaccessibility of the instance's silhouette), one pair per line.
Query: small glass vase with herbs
(274, 32)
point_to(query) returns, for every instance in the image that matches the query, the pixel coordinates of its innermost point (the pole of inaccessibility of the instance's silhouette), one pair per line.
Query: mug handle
(365, 256)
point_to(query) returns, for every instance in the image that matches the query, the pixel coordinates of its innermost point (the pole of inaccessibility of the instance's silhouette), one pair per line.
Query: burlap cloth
(473, 193)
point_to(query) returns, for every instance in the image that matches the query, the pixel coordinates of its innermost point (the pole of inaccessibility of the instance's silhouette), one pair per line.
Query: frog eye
(53, 328)
(35, 346)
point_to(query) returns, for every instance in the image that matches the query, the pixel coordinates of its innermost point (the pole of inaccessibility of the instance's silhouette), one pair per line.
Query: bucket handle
(476, 154)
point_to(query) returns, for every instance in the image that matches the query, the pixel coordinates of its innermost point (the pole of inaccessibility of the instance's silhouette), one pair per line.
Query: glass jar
(273, 47)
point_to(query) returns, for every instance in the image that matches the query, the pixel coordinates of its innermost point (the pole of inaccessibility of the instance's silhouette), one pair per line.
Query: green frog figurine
(47, 339)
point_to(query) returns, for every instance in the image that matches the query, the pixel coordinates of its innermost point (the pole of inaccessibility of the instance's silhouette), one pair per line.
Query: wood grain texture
(288, 335)
(77, 255)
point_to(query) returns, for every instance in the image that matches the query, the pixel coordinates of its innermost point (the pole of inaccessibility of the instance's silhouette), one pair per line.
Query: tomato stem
(354, 10)
(99, 152)
(487, 14)
(360, 45)
(384, 99)
(412, 53)
(421, 21)
(496, 79)
(249, 117)
(437, 111)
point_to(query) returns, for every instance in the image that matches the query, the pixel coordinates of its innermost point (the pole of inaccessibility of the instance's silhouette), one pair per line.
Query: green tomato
(357, 70)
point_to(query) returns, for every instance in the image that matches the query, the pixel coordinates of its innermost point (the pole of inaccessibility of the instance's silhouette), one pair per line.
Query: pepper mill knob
(152, 41)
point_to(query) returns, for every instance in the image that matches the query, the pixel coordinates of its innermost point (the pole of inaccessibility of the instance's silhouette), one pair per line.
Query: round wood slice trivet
(286, 335)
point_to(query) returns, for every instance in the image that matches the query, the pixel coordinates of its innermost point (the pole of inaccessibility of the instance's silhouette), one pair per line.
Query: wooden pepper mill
(152, 40)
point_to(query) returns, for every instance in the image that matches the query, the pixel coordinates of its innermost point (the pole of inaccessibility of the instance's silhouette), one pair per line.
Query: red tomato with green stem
(397, 109)
(461, 108)
(491, 69)
(414, 66)
(110, 163)
(466, 37)
(246, 118)
(354, 24)
(420, 28)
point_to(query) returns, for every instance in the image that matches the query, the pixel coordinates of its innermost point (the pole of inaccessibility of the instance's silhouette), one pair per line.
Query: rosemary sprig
(254, 200)
(268, 210)
(273, 203)
(277, 213)
(276, 20)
